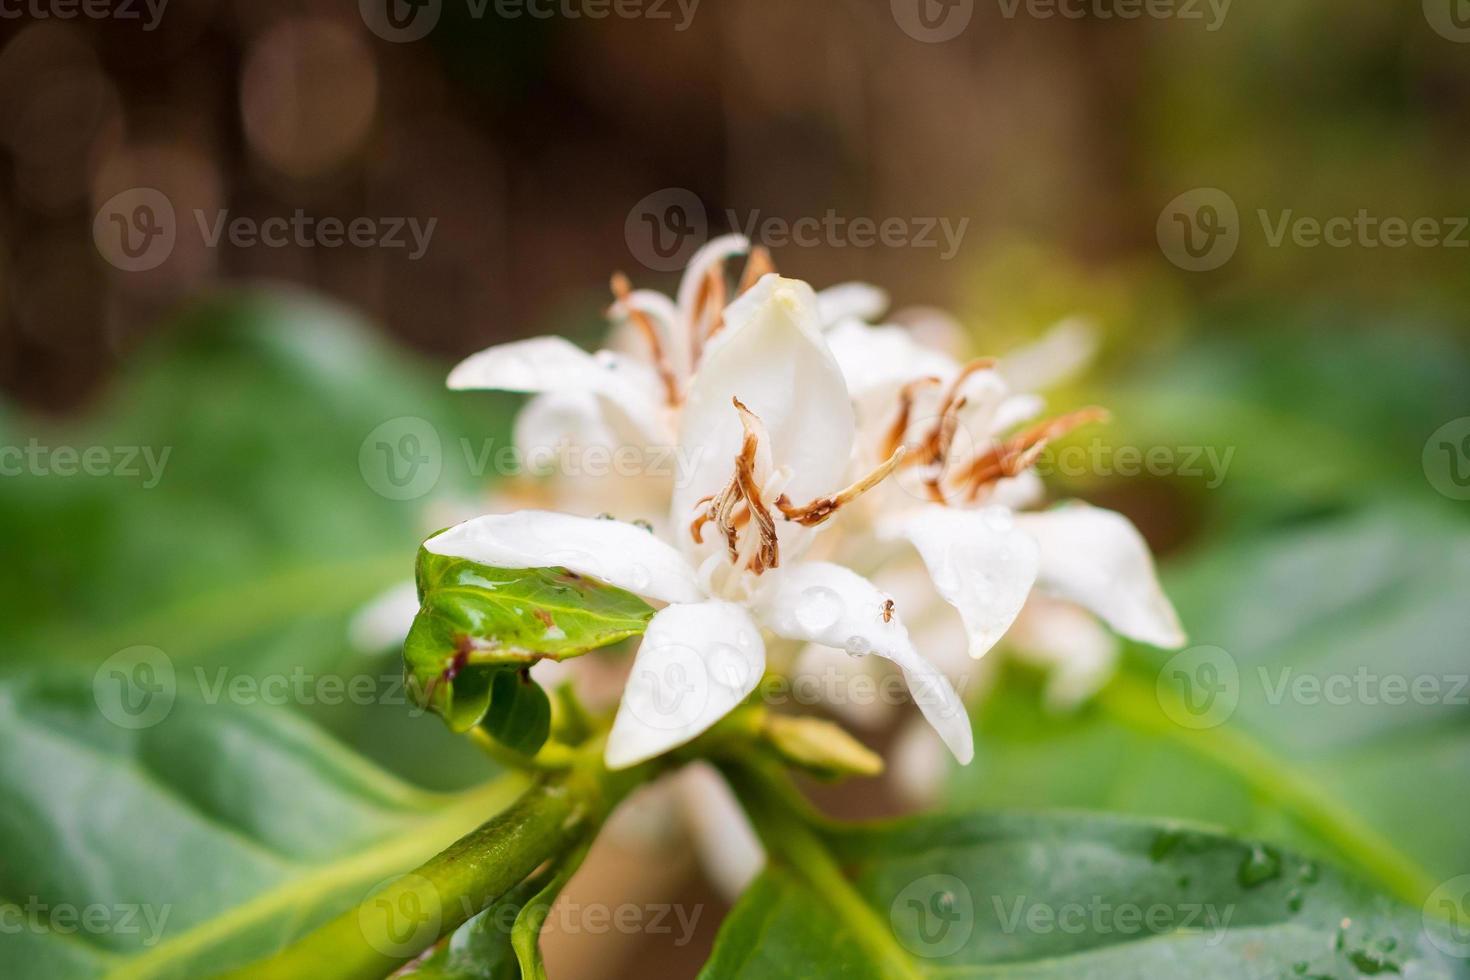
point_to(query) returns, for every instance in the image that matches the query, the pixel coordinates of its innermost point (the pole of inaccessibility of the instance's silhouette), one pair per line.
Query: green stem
(398, 922)
(1134, 703)
(780, 817)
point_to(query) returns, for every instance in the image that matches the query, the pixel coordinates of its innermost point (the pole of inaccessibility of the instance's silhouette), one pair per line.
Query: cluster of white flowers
(804, 426)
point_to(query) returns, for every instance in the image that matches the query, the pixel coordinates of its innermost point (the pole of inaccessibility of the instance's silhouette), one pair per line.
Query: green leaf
(210, 838)
(1068, 896)
(1380, 785)
(481, 948)
(474, 617)
(520, 712)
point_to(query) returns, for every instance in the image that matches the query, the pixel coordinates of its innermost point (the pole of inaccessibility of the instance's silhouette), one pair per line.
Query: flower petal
(981, 564)
(1097, 558)
(697, 662)
(772, 357)
(825, 603)
(614, 552)
(851, 301)
(552, 364)
(1078, 652)
(880, 360)
(728, 848)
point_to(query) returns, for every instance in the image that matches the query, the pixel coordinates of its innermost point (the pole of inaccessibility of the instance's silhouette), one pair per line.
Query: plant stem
(780, 817)
(397, 922)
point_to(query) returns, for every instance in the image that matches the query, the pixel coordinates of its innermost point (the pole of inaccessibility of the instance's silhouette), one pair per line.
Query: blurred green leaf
(1063, 896)
(1374, 777)
(211, 834)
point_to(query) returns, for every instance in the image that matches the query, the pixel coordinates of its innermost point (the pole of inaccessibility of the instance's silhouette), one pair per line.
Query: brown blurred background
(1057, 140)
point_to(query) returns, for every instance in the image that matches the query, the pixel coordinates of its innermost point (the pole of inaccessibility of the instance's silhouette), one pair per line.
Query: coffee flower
(769, 425)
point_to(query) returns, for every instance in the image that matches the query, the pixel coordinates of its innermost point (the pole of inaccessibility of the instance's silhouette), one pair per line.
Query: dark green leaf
(520, 712)
(473, 616)
(1074, 896)
(211, 838)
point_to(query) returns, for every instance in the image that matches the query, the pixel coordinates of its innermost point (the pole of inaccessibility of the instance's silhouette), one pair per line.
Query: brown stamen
(739, 504)
(1018, 453)
(621, 289)
(819, 510)
(711, 299)
(936, 448)
(758, 264)
(900, 427)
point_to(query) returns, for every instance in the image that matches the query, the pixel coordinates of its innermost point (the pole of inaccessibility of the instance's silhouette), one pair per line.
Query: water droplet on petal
(818, 608)
(857, 646)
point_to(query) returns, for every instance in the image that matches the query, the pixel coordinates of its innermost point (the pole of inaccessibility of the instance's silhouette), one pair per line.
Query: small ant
(888, 610)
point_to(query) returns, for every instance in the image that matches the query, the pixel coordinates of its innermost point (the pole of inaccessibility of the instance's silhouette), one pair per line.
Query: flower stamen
(818, 511)
(740, 504)
(622, 289)
(1018, 453)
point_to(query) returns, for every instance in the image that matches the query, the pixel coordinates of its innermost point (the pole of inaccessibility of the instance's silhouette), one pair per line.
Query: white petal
(981, 564)
(711, 253)
(384, 622)
(551, 423)
(696, 662)
(772, 357)
(543, 364)
(825, 603)
(614, 552)
(1097, 558)
(727, 844)
(851, 300)
(1058, 356)
(880, 360)
(1070, 643)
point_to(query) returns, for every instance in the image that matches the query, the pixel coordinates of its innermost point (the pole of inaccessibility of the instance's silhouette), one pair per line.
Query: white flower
(612, 398)
(770, 429)
(971, 444)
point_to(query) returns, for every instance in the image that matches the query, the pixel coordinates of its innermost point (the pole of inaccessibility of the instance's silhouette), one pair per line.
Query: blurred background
(1158, 175)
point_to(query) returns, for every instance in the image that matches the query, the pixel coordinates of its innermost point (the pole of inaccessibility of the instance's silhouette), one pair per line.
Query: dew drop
(999, 518)
(818, 608)
(857, 646)
(1261, 865)
(639, 576)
